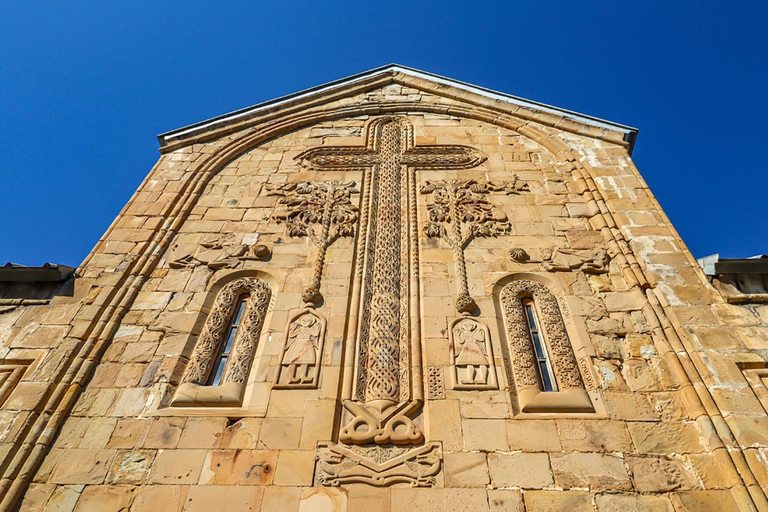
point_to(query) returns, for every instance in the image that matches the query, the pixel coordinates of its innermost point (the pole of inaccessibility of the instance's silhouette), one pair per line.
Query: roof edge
(629, 133)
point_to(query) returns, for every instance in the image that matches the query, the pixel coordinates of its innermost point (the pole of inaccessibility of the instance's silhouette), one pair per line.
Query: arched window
(223, 354)
(544, 368)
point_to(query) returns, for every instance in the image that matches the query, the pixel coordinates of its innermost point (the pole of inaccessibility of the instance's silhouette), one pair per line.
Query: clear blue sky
(86, 86)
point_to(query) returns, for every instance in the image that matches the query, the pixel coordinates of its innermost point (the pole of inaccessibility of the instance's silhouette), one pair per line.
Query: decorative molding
(327, 205)
(381, 391)
(377, 465)
(461, 211)
(221, 252)
(11, 372)
(471, 355)
(301, 354)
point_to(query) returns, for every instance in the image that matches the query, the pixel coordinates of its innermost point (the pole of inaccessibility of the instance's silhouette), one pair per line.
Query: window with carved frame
(220, 362)
(540, 359)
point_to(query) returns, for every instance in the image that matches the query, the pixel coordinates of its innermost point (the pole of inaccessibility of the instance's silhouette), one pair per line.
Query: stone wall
(102, 413)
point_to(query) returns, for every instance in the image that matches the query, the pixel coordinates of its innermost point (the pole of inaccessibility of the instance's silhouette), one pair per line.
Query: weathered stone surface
(632, 503)
(505, 501)
(177, 467)
(593, 470)
(545, 501)
(169, 498)
(238, 467)
(97, 498)
(82, 467)
(594, 435)
(204, 498)
(525, 470)
(665, 438)
(130, 466)
(466, 470)
(656, 474)
(533, 435)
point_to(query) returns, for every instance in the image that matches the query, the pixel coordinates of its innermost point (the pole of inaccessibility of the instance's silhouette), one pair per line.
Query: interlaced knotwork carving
(244, 346)
(309, 206)
(523, 357)
(384, 335)
(460, 212)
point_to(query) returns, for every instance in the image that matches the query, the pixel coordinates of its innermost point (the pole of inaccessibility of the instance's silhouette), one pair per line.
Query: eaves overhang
(629, 134)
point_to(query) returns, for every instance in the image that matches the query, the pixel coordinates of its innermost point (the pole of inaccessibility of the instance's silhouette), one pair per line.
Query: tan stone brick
(317, 424)
(322, 499)
(98, 498)
(242, 434)
(130, 466)
(202, 433)
(238, 467)
(295, 468)
(82, 467)
(594, 435)
(97, 432)
(533, 435)
(165, 432)
(364, 497)
(665, 438)
(486, 435)
(444, 423)
(749, 430)
(64, 498)
(281, 499)
(547, 501)
(525, 470)
(714, 470)
(703, 501)
(465, 470)
(177, 466)
(439, 500)
(129, 433)
(165, 498)
(593, 470)
(280, 434)
(35, 497)
(657, 474)
(505, 501)
(204, 498)
(632, 503)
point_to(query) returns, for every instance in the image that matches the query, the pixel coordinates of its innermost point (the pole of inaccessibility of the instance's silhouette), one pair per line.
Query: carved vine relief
(323, 212)
(461, 211)
(210, 340)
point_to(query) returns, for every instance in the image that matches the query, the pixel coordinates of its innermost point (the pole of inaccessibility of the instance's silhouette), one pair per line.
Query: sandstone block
(444, 423)
(238, 467)
(596, 471)
(98, 498)
(165, 498)
(505, 501)
(369, 498)
(322, 499)
(486, 435)
(202, 433)
(439, 500)
(282, 499)
(547, 501)
(165, 432)
(204, 498)
(665, 438)
(656, 474)
(533, 435)
(466, 470)
(525, 470)
(82, 467)
(295, 468)
(632, 503)
(280, 434)
(130, 466)
(594, 435)
(242, 434)
(177, 466)
(129, 433)
(703, 501)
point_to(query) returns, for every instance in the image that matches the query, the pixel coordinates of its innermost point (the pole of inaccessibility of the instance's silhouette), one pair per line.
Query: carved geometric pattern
(384, 342)
(212, 336)
(522, 354)
(461, 212)
(436, 386)
(472, 355)
(379, 466)
(302, 351)
(325, 203)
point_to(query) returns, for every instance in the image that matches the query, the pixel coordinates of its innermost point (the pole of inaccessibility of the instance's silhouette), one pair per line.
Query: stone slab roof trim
(561, 117)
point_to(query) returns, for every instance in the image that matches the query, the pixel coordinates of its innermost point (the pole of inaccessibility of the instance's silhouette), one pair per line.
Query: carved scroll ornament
(247, 339)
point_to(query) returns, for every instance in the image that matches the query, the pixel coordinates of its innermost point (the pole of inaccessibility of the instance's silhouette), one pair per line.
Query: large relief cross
(382, 379)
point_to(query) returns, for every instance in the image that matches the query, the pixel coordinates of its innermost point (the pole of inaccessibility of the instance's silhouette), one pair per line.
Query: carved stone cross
(382, 374)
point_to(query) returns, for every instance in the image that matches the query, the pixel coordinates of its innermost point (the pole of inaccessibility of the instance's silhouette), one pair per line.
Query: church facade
(392, 292)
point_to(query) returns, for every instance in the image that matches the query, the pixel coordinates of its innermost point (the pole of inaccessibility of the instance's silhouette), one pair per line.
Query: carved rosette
(215, 326)
(472, 355)
(301, 354)
(461, 211)
(322, 211)
(521, 351)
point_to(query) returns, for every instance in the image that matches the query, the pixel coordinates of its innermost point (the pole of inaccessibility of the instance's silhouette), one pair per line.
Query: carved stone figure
(384, 386)
(472, 355)
(302, 351)
(326, 205)
(221, 252)
(460, 212)
(377, 465)
(589, 261)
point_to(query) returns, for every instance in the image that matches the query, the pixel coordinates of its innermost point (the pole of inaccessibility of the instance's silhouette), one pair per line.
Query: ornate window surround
(223, 295)
(576, 395)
